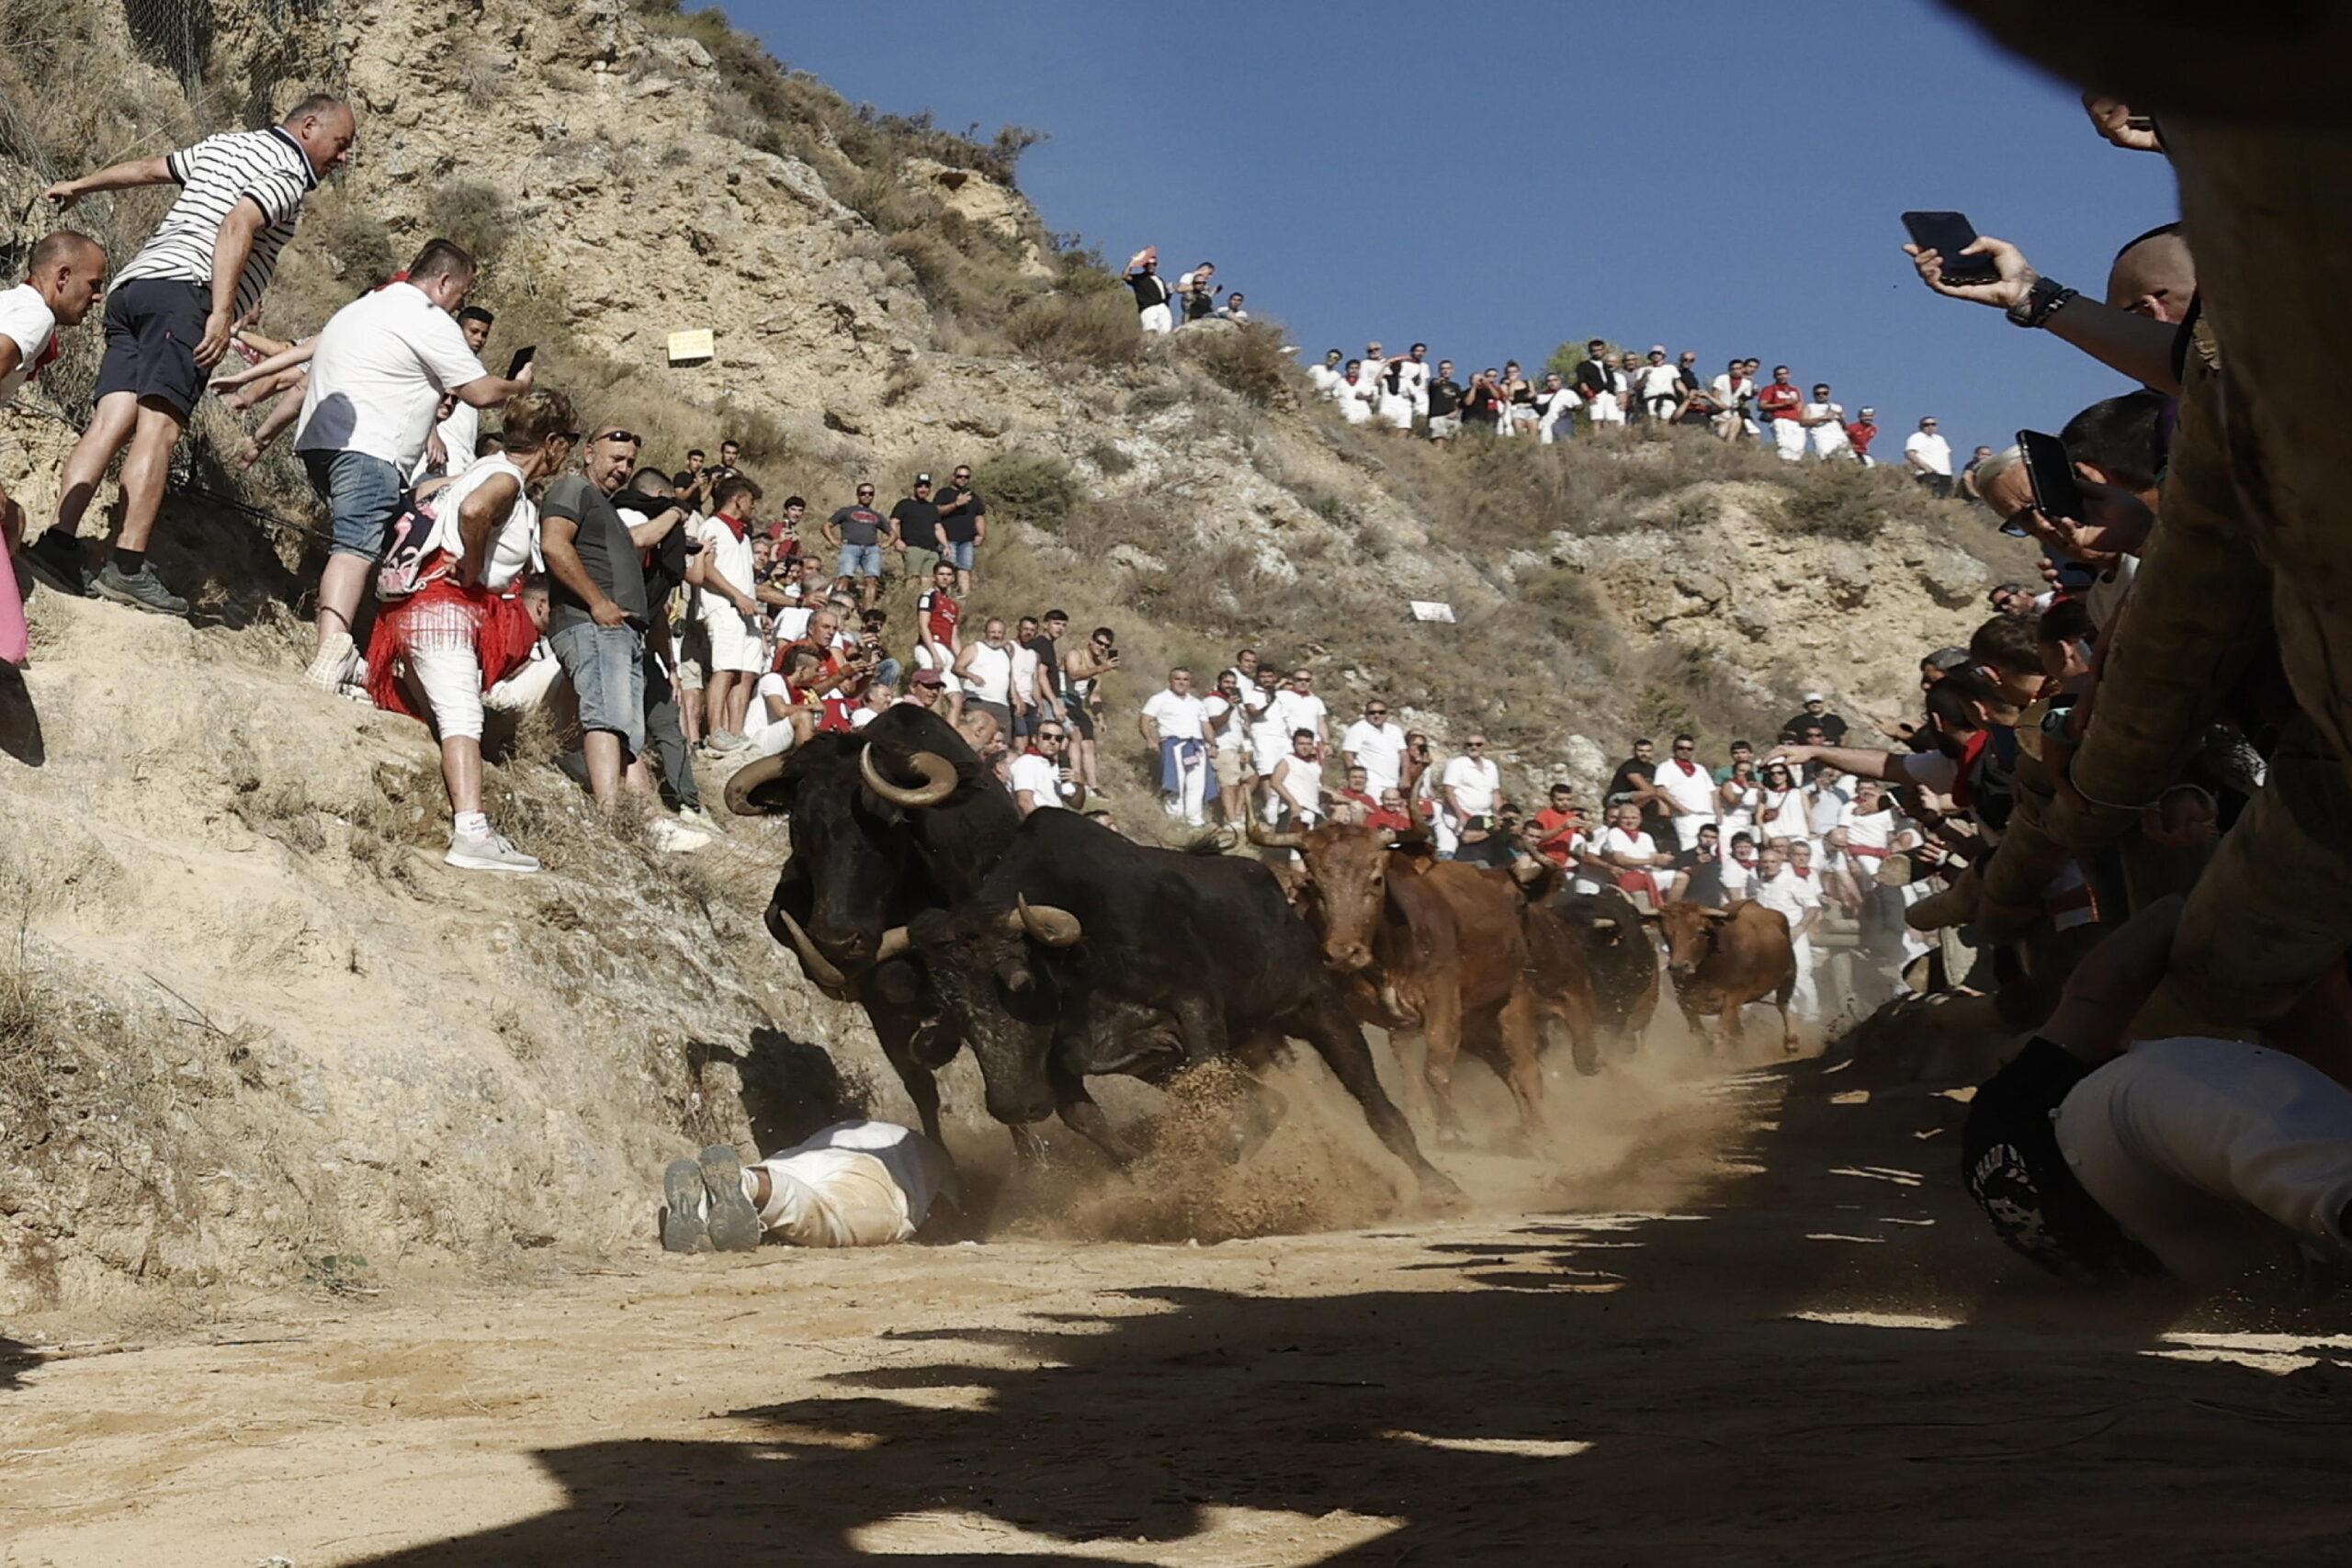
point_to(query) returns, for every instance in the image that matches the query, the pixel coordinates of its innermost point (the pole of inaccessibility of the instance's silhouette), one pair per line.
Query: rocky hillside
(251, 1032)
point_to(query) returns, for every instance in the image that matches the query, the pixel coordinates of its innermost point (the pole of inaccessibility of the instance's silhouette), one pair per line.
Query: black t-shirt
(1200, 305)
(1833, 728)
(1043, 647)
(1482, 405)
(963, 524)
(1654, 816)
(1706, 885)
(1150, 289)
(918, 522)
(1446, 397)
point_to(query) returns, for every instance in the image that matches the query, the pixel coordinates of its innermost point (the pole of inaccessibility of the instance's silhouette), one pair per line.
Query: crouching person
(455, 622)
(2215, 1161)
(853, 1184)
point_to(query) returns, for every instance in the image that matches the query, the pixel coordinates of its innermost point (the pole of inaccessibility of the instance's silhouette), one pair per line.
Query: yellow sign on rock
(690, 348)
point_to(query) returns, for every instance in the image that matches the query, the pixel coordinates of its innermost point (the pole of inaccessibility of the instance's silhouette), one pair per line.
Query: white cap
(1815, 697)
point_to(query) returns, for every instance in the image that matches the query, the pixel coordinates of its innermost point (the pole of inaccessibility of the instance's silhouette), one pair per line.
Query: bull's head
(995, 972)
(1691, 932)
(1343, 887)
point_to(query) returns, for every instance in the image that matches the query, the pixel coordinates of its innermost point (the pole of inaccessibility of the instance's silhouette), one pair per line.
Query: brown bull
(1722, 959)
(1433, 946)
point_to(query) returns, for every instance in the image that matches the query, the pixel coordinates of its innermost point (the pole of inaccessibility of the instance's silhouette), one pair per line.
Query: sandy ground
(1737, 1315)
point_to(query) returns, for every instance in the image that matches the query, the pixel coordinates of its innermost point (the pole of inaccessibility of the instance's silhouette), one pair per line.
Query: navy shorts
(152, 326)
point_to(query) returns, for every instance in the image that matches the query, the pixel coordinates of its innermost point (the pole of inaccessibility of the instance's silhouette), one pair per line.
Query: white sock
(471, 825)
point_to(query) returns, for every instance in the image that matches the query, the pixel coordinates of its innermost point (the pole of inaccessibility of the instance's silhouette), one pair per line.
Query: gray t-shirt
(605, 549)
(860, 526)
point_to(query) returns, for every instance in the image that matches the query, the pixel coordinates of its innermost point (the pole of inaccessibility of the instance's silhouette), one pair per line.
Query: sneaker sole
(475, 862)
(48, 577)
(132, 601)
(733, 1223)
(682, 1223)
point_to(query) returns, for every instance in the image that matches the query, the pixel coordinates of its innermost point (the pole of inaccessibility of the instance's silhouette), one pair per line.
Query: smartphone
(2055, 493)
(522, 357)
(2076, 578)
(1947, 234)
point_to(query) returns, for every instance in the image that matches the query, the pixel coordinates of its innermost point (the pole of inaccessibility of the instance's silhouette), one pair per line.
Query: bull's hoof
(1586, 1058)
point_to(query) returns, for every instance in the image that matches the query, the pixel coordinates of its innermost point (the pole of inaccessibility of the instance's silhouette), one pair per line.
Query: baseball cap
(1815, 697)
(927, 678)
(1867, 412)
(922, 478)
(1949, 657)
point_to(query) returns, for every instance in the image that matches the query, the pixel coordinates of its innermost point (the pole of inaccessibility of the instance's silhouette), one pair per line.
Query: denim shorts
(606, 668)
(959, 553)
(859, 561)
(363, 496)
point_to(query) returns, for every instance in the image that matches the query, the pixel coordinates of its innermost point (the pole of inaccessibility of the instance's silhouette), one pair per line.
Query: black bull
(913, 869)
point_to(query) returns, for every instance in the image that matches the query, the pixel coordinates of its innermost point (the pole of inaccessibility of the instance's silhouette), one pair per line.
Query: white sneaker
(696, 817)
(1174, 808)
(332, 665)
(487, 852)
(669, 833)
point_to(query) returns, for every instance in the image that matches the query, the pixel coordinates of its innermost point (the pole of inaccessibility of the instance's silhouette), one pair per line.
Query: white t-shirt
(1228, 720)
(1658, 381)
(770, 685)
(1739, 881)
(1269, 737)
(460, 433)
(26, 320)
(1025, 673)
(1302, 711)
(1791, 894)
(1379, 750)
(1832, 414)
(855, 1184)
(1323, 377)
(1638, 844)
(1039, 777)
(1299, 781)
(1413, 381)
(731, 558)
(1475, 780)
(376, 376)
(1728, 390)
(1693, 793)
(792, 622)
(1178, 718)
(1933, 451)
(1824, 809)
(1355, 398)
(1867, 830)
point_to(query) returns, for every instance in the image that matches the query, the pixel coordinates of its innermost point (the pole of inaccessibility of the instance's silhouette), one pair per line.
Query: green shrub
(1246, 360)
(1096, 330)
(1840, 500)
(475, 215)
(1029, 487)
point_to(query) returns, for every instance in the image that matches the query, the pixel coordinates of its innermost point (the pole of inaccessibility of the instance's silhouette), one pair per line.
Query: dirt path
(1800, 1345)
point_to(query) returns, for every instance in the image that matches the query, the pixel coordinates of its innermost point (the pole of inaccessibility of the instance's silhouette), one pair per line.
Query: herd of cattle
(1059, 951)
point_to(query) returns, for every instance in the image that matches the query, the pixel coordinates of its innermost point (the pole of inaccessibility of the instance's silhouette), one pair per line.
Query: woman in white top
(453, 621)
(1781, 813)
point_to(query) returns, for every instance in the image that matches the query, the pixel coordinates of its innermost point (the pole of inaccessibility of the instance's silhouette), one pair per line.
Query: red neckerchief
(1690, 770)
(739, 527)
(1969, 753)
(1801, 871)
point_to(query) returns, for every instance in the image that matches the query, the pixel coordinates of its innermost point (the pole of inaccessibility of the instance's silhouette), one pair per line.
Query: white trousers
(2190, 1144)
(1604, 409)
(1553, 418)
(1805, 1000)
(1789, 437)
(1156, 319)
(532, 686)
(1686, 830)
(1191, 782)
(1830, 441)
(451, 679)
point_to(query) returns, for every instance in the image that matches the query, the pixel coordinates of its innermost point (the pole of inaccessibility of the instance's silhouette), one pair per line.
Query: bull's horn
(894, 942)
(786, 929)
(1043, 922)
(1603, 923)
(1385, 837)
(1418, 833)
(1265, 838)
(1527, 870)
(938, 779)
(1714, 914)
(749, 777)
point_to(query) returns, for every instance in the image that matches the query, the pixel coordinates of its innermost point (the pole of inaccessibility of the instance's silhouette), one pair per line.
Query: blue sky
(1497, 179)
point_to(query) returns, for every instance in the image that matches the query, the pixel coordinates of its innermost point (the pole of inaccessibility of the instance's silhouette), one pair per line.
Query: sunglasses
(1049, 735)
(632, 437)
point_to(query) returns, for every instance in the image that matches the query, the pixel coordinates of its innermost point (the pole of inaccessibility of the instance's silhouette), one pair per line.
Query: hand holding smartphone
(1947, 234)
(2051, 474)
(522, 357)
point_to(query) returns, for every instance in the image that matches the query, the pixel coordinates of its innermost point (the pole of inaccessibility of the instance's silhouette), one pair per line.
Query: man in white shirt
(1782, 886)
(64, 281)
(1377, 746)
(1634, 854)
(1175, 724)
(450, 450)
(1326, 375)
(1269, 735)
(1413, 381)
(722, 571)
(1468, 791)
(378, 374)
(1040, 779)
(1375, 365)
(1356, 392)
(1824, 425)
(853, 1184)
(1730, 389)
(1295, 798)
(1929, 458)
(169, 316)
(1658, 386)
(1301, 708)
(1689, 788)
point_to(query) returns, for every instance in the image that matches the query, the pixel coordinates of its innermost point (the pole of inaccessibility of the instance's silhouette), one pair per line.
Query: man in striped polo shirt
(168, 320)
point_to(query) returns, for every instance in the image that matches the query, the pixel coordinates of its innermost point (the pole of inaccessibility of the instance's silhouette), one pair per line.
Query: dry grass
(1096, 330)
(1246, 360)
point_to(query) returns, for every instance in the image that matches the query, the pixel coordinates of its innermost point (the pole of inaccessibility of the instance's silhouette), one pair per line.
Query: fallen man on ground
(853, 1184)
